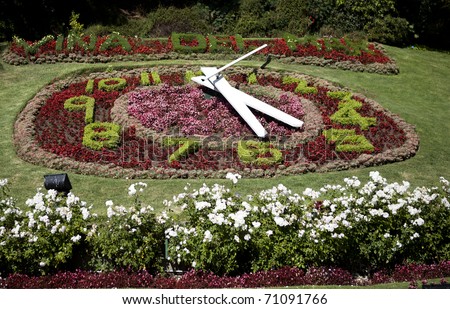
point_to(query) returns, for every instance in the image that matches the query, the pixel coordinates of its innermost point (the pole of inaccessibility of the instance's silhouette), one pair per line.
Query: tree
(430, 20)
(368, 9)
(292, 16)
(254, 17)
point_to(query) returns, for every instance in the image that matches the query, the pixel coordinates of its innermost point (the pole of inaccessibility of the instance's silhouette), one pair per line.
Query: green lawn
(420, 94)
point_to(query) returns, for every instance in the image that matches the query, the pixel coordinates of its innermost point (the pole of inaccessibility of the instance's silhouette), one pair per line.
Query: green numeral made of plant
(347, 111)
(259, 153)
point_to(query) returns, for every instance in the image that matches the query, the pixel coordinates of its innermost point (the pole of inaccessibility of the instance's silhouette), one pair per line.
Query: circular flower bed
(155, 123)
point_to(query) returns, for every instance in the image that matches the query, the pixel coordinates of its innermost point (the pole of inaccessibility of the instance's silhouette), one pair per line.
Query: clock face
(157, 123)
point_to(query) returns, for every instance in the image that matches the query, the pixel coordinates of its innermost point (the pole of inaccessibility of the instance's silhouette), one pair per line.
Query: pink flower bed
(188, 111)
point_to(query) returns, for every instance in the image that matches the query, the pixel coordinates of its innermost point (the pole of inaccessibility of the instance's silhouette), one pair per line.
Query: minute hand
(254, 103)
(236, 61)
(268, 109)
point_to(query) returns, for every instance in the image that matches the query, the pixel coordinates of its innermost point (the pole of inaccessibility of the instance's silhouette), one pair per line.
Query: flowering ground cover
(151, 123)
(341, 53)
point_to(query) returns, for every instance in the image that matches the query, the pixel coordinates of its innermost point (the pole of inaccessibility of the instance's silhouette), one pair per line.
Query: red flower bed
(190, 280)
(326, 51)
(203, 280)
(59, 132)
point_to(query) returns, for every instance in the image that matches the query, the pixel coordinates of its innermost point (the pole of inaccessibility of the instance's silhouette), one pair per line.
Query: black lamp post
(58, 182)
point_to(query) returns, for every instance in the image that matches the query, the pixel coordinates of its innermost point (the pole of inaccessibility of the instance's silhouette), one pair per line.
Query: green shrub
(223, 44)
(259, 153)
(59, 43)
(76, 27)
(80, 103)
(340, 95)
(11, 216)
(135, 27)
(348, 140)
(145, 79)
(33, 48)
(90, 86)
(194, 38)
(186, 146)
(303, 88)
(74, 40)
(112, 84)
(156, 78)
(99, 30)
(216, 229)
(390, 30)
(130, 238)
(255, 18)
(292, 16)
(320, 11)
(302, 85)
(166, 20)
(251, 79)
(99, 135)
(48, 236)
(291, 41)
(347, 115)
(114, 40)
(150, 79)
(189, 74)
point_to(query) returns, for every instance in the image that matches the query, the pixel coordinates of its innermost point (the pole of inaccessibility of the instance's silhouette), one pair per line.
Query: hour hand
(220, 84)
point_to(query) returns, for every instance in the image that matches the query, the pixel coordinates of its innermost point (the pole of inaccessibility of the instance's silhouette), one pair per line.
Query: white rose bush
(46, 235)
(360, 227)
(363, 227)
(130, 237)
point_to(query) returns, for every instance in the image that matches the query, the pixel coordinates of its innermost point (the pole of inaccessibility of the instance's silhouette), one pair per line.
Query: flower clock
(156, 123)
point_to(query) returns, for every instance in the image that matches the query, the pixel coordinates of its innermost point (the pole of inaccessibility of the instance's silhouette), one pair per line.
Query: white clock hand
(236, 100)
(255, 104)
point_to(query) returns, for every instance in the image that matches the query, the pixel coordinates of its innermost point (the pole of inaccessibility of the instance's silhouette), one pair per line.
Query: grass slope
(420, 94)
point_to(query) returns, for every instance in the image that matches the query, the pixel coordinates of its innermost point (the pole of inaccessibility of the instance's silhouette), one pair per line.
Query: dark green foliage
(166, 20)
(390, 30)
(384, 20)
(320, 11)
(292, 16)
(430, 19)
(99, 30)
(254, 18)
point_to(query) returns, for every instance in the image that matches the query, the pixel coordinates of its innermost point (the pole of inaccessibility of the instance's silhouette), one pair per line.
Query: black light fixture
(58, 182)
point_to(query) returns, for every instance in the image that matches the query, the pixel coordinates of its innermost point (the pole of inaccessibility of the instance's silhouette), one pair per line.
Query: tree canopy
(396, 22)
